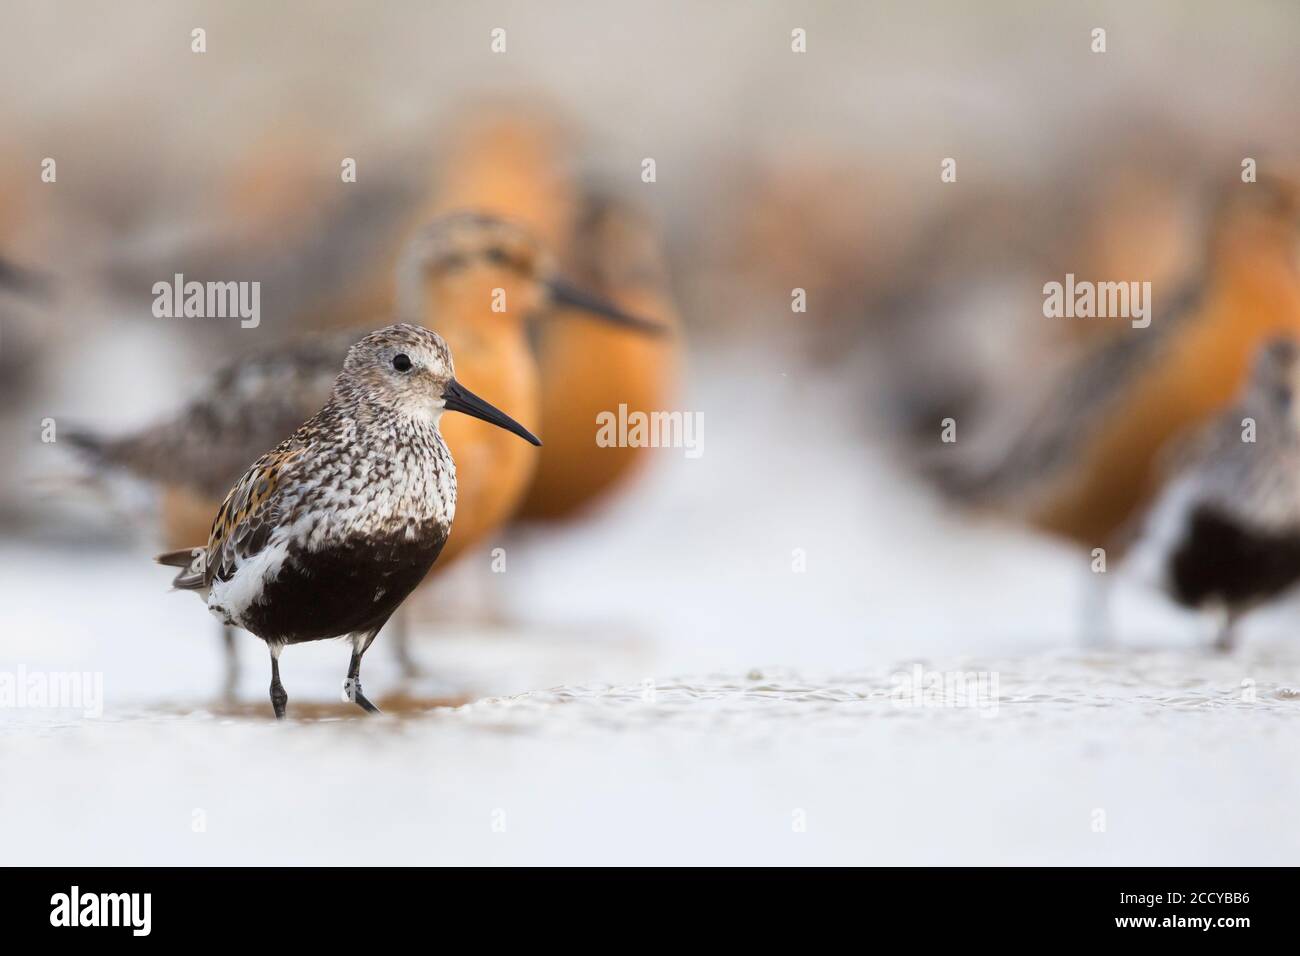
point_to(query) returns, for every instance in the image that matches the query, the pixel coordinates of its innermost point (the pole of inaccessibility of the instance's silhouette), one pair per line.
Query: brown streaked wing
(250, 512)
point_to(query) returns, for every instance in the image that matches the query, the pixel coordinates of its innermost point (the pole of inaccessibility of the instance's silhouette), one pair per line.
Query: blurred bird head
(1275, 379)
(408, 369)
(470, 267)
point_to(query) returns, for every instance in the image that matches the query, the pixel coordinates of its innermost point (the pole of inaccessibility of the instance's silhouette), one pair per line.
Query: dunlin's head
(478, 267)
(408, 370)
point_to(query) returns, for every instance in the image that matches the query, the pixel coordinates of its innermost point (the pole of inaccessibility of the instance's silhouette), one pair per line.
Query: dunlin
(325, 535)
(1224, 534)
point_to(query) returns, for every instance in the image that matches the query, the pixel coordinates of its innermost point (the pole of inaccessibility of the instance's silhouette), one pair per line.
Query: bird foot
(352, 693)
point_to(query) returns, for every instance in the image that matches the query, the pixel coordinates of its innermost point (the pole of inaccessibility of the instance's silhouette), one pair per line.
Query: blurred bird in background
(480, 284)
(322, 247)
(1046, 441)
(500, 158)
(518, 162)
(958, 330)
(1247, 293)
(23, 295)
(587, 370)
(1068, 437)
(511, 158)
(27, 292)
(840, 226)
(1224, 533)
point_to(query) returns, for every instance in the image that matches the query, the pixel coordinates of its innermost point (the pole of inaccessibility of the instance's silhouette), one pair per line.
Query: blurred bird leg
(399, 636)
(1097, 624)
(1226, 637)
(231, 685)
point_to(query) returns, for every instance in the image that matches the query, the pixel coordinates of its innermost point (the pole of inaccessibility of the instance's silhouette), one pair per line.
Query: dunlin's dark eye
(402, 362)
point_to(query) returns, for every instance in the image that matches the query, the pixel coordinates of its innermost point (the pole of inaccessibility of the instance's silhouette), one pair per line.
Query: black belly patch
(352, 587)
(1220, 560)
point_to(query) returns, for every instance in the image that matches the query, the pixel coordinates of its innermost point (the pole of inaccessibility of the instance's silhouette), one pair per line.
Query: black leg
(279, 699)
(232, 662)
(352, 686)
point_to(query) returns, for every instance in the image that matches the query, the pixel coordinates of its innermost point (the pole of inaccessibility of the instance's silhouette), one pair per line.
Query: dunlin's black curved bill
(562, 293)
(460, 399)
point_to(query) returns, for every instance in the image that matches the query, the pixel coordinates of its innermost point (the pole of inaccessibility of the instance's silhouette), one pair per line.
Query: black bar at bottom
(345, 905)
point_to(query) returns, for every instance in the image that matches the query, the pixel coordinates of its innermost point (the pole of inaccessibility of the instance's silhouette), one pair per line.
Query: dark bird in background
(1224, 534)
(325, 535)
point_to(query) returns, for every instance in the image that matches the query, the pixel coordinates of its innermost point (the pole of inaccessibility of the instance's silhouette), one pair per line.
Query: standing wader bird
(1224, 534)
(478, 279)
(325, 535)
